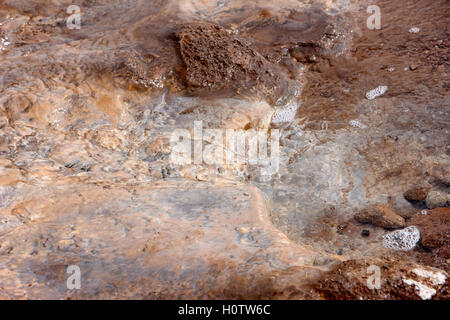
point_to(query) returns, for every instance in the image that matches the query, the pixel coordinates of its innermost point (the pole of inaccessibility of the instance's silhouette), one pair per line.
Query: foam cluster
(357, 124)
(379, 91)
(404, 240)
(287, 114)
(4, 43)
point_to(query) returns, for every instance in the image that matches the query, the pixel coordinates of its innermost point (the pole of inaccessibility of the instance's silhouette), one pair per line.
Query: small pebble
(365, 233)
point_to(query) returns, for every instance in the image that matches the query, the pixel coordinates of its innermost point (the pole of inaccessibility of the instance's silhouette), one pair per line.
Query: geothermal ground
(110, 170)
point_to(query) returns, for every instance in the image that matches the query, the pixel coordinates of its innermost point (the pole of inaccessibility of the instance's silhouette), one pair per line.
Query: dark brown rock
(381, 216)
(217, 59)
(416, 194)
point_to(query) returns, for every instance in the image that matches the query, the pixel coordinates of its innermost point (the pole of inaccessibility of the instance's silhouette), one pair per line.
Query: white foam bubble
(425, 293)
(357, 124)
(4, 43)
(435, 277)
(404, 240)
(287, 114)
(379, 91)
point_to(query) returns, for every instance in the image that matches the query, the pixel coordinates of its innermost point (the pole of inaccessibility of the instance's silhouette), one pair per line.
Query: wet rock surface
(129, 243)
(87, 178)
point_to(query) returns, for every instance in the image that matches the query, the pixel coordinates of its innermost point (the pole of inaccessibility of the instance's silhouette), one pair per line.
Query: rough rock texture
(149, 241)
(399, 279)
(434, 228)
(436, 199)
(416, 194)
(218, 59)
(404, 239)
(381, 216)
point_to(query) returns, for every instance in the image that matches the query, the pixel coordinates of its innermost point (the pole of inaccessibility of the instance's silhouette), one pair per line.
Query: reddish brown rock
(434, 227)
(399, 279)
(381, 216)
(217, 59)
(416, 194)
(444, 252)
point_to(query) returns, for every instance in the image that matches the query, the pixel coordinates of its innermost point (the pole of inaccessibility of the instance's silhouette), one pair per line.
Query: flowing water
(87, 116)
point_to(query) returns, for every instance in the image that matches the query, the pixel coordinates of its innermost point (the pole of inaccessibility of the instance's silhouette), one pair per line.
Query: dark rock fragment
(416, 194)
